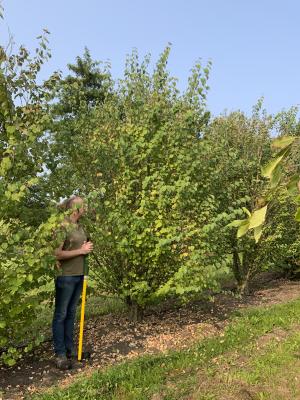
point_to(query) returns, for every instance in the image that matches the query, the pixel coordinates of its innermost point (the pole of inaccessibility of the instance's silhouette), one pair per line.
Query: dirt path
(114, 337)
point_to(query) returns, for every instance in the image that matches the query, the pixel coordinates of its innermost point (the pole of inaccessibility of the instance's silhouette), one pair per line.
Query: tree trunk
(236, 266)
(243, 286)
(241, 273)
(135, 311)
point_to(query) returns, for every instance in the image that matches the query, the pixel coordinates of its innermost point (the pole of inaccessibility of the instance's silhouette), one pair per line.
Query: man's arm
(61, 254)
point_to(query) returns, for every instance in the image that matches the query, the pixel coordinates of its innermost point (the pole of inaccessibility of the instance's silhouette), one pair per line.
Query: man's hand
(87, 247)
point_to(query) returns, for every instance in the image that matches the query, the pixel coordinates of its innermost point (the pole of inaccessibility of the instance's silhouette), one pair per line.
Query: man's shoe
(73, 355)
(73, 358)
(62, 363)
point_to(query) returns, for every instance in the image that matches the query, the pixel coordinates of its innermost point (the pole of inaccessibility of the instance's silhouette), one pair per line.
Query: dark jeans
(67, 293)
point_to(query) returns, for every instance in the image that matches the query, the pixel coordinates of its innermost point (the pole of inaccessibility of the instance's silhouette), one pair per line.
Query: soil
(114, 337)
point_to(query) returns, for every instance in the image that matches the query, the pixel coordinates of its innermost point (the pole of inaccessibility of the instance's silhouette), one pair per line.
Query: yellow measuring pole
(83, 298)
(82, 317)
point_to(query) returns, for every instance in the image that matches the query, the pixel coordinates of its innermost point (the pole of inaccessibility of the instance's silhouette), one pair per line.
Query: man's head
(76, 204)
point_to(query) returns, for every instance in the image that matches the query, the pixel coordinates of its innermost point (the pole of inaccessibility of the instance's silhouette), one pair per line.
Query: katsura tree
(139, 157)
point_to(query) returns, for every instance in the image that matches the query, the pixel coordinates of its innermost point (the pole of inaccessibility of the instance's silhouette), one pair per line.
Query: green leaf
(158, 223)
(243, 229)
(258, 217)
(10, 362)
(283, 142)
(292, 187)
(276, 176)
(246, 211)
(10, 129)
(297, 215)
(5, 165)
(269, 168)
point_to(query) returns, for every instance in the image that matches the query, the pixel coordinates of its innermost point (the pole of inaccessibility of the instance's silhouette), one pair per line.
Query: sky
(253, 44)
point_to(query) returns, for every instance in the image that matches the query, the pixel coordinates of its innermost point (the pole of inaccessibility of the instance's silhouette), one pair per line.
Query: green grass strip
(277, 360)
(146, 375)
(270, 372)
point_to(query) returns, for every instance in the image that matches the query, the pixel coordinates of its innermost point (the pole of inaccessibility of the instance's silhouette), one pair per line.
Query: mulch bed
(114, 337)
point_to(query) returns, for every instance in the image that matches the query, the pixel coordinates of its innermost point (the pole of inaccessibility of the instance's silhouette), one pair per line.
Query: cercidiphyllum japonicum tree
(24, 230)
(139, 159)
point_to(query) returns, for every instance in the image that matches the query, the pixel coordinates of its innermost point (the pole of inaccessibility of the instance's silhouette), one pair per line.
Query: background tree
(24, 231)
(282, 172)
(277, 244)
(74, 99)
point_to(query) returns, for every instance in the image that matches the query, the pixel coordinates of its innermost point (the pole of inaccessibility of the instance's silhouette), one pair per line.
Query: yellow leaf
(257, 233)
(258, 217)
(243, 229)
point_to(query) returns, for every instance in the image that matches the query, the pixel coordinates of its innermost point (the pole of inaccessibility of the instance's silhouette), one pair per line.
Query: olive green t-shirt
(74, 238)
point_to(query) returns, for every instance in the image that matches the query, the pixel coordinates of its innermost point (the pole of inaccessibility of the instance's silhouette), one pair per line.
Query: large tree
(139, 157)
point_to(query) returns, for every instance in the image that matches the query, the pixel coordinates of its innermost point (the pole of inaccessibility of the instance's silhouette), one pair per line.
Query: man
(68, 285)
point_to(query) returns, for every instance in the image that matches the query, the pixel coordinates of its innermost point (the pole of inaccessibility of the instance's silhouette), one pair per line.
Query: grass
(180, 375)
(268, 371)
(102, 305)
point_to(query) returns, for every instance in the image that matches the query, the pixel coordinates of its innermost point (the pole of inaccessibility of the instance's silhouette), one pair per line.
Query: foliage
(287, 155)
(74, 99)
(140, 164)
(26, 258)
(239, 147)
(164, 184)
(25, 228)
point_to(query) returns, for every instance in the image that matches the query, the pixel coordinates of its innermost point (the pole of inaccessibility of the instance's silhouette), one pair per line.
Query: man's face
(79, 205)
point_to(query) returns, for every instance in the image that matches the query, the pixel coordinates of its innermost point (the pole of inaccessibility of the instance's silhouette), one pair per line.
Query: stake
(83, 297)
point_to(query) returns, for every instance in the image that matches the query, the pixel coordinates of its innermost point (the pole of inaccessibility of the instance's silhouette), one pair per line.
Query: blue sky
(253, 44)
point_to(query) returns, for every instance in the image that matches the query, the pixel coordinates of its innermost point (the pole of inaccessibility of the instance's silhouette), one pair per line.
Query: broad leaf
(258, 232)
(292, 187)
(258, 217)
(243, 229)
(246, 211)
(283, 142)
(297, 215)
(236, 223)
(270, 167)
(276, 176)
